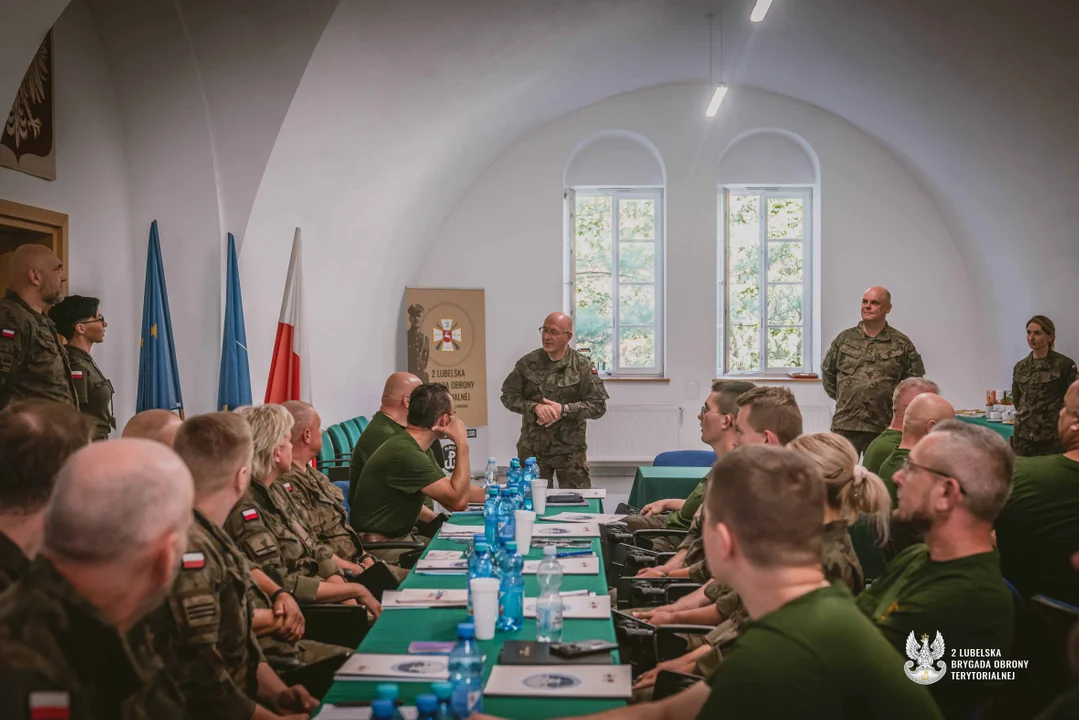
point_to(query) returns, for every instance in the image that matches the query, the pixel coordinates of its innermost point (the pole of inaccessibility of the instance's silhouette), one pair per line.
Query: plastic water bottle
(426, 707)
(443, 691)
(531, 473)
(382, 710)
(490, 474)
(480, 565)
(514, 480)
(511, 590)
(466, 673)
(490, 515)
(388, 692)
(549, 604)
(507, 519)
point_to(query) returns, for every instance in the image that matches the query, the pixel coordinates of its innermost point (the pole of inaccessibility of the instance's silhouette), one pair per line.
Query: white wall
(506, 236)
(91, 187)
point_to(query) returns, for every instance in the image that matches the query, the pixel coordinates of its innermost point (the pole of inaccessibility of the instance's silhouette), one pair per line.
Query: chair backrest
(341, 445)
(685, 458)
(1052, 621)
(326, 454)
(362, 422)
(352, 432)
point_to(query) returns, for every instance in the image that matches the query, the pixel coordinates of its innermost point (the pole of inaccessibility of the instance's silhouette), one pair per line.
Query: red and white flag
(290, 369)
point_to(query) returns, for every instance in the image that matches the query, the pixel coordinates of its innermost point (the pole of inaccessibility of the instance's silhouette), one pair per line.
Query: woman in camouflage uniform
(80, 322)
(1039, 382)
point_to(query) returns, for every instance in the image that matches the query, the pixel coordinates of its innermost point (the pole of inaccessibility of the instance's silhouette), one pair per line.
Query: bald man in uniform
(555, 390)
(115, 531)
(32, 362)
(159, 425)
(862, 368)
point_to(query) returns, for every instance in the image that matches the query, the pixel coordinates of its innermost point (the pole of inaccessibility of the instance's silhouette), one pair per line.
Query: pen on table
(574, 553)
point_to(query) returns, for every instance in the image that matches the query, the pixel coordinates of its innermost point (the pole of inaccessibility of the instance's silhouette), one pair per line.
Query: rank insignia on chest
(288, 486)
(250, 514)
(193, 561)
(76, 374)
(9, 334)
(49, 705)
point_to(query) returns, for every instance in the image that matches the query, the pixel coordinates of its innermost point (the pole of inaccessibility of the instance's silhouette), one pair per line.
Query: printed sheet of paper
(399, 599)
(576, 607)
(595, 681)
(576, 517)
(451, 530)
(363, 712)
(562, 530)
(591, 493)
(403, 668)
(443, 555)
(570, 566)
(445, 567)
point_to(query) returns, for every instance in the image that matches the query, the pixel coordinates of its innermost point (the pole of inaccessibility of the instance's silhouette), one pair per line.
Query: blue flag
(159, 377)
(234, 384)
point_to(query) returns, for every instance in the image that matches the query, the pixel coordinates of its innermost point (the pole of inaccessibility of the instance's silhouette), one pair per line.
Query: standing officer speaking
(555, 389)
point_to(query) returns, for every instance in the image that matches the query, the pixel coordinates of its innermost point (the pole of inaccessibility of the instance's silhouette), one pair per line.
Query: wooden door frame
(35, 218)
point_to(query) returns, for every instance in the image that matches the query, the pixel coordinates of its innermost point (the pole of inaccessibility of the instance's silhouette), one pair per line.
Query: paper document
(597, 607)
(570, 566)
(424, 598)
(601, 518)
(403, 668)
(359, 712)
(450, 530)
(563, 530)
(443, 555)
(459, 565)
(596, 681)
(590, 493)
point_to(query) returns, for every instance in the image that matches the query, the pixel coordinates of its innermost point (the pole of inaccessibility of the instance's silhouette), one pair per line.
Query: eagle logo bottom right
(920, 667)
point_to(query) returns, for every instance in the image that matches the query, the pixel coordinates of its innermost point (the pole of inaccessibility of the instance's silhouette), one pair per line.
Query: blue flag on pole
(159, 377)
(234, 384)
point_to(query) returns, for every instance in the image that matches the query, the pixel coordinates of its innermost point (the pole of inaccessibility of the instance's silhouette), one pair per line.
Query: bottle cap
(492, 460)
(550, 551)
(442, 689)
(515, 462)
(465, 631)
(506, 492)
(382, 709)
(387, 691)
(426, 703)
(511, 546)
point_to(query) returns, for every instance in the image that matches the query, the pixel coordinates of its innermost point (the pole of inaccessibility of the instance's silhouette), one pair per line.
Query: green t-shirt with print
(389, 491)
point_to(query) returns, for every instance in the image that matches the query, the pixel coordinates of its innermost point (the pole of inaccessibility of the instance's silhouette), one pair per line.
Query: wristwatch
(565, 411)
(278, 591)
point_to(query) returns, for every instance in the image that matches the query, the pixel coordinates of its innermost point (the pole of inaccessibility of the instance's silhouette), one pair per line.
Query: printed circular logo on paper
(551, 681)
(420, 667)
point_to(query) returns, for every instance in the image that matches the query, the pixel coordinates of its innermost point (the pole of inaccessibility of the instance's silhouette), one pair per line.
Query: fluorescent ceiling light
(717, 100)
(760, 10)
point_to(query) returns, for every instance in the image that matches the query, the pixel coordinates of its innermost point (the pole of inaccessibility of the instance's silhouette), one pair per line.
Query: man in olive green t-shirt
(389, 421)
(400, 474)
(952, 488)
(889, 440)
(1037, 531)
(923, 413)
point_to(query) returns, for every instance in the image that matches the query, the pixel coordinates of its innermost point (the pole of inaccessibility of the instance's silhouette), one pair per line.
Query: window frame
(657, 194)
(782, 191)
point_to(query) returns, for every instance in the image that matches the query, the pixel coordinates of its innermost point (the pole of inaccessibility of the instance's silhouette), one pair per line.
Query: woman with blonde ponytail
(851, 492)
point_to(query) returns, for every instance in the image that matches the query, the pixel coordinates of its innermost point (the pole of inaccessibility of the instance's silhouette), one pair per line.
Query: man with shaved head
(115, 531)
(159, 425)
(555, 390)
(388, 422)
(32, 362)
(922, 415)
(862, 368)
(883, 445)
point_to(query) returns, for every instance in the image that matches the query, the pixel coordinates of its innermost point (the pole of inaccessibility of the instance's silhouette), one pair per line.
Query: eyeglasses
(909, 464)
(552, 332)
(99, 318)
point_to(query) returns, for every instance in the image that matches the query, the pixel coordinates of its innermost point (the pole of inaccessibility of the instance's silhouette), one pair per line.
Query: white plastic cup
(484, 606)
(539, 495)
(526, 520)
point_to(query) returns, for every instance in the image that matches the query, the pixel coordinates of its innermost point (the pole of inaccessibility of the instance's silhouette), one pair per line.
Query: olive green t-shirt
(889, 468)
(881, 447)
(389, 491)
(681, 520)
(965, 600)
(818, 657)
(1037, 531)
(381, 428)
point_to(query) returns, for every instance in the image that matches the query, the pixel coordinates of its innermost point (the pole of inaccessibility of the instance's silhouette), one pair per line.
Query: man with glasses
(79, 320)
(951, 488)
(555, 390)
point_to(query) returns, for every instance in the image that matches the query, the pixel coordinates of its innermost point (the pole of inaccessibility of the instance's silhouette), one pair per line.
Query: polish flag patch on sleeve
(194, 561)
(7, 333)
(76, 374)
(49, 706)
(288, 486)
(250, 514)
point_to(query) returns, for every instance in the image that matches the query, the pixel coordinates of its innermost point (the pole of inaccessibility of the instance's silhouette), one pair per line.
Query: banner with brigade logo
(446, 337)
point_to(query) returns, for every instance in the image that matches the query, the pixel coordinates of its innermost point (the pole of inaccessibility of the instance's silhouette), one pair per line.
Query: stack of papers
(601, 518)
(591, 493)
(577, 607)
(451, 530)
(570, 566)
(426, 566)
(577, 529)
(397, 599)
(589, 681)
(401, 668)
(443, 555)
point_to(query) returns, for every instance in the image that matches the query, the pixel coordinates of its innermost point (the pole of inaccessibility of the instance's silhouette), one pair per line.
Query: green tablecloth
(392, 633)
(1005, 431)
(658, 483)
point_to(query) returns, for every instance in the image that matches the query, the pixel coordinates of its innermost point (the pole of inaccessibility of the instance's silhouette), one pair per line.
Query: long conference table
(395, 629)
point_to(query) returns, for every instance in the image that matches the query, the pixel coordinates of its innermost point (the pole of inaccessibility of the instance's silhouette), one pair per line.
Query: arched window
(614, 275)
(768, 186)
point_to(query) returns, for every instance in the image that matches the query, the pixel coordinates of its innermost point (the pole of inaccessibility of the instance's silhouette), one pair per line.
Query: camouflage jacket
(60, 657)
(203, 630)
(13, 562)
(694, 547)
(1038, 388)
(838, 559)
(32, 362)
(265, 526)
(860, 373)
(93, 390)
(321, 503)
(571, 382)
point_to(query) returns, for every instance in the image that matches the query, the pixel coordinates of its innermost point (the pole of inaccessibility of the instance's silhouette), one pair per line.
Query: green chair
(352, 431)
(342, 448)
(327, 457)
(362, 422)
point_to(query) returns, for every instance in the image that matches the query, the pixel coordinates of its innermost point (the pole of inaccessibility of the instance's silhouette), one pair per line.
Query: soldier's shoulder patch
(8, 333)
(199, 610)
(249, 514)
(193, 561)
(49, 705)
(76, 374)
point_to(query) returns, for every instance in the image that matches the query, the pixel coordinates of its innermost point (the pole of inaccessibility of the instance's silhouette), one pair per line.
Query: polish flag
(50, 706)
(290, 369)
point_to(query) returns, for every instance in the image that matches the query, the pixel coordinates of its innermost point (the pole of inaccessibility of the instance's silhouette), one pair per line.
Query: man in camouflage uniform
(1039, 382)
(115, 530)
(555, 390)
(204, 631)
(80, 322)
(419, 345)
(862, 368)
(32, 362)
(36, 437)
